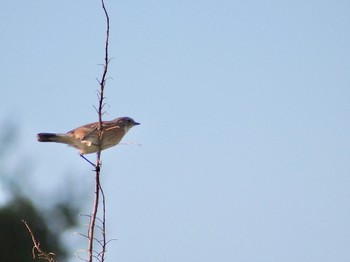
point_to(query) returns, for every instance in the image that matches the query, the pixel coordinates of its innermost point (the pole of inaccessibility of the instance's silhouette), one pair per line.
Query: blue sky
(244, 111)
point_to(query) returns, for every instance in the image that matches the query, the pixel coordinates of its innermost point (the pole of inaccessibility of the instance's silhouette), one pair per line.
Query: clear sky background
(244, 109)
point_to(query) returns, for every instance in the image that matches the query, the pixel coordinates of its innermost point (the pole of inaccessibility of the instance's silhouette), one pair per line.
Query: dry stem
(98, 188)
(36, 247)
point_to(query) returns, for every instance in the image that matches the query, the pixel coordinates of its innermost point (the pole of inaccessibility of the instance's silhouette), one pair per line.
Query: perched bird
(86, 138)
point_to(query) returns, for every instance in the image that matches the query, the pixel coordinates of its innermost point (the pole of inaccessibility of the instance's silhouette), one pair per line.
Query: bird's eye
(129, 121)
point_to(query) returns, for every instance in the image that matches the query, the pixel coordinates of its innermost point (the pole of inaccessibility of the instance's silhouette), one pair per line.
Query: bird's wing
(91, 130)
(84, 132)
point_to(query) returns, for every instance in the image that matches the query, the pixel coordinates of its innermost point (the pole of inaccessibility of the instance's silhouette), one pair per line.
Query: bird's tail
(52, 137)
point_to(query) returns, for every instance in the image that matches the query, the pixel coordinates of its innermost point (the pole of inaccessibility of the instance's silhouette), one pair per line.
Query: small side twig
(36, 247)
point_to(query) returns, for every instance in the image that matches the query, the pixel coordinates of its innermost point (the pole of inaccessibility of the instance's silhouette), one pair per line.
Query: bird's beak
(136, 124)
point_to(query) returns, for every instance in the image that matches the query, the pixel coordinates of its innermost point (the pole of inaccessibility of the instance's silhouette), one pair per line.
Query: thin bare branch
(36, 247)
(94, 213)
(98, 188)
(104, 245)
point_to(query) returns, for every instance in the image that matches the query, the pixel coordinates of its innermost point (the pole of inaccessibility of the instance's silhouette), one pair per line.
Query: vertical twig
(104, 242)
(94, 214)
(98, 188)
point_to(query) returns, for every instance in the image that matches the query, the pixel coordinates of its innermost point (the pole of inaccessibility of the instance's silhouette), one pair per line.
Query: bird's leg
(87, 160)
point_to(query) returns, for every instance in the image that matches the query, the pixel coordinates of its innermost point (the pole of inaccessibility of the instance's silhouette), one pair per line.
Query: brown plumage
(86, 138)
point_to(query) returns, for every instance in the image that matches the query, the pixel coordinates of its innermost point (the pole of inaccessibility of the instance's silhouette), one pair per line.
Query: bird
(86, 138)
